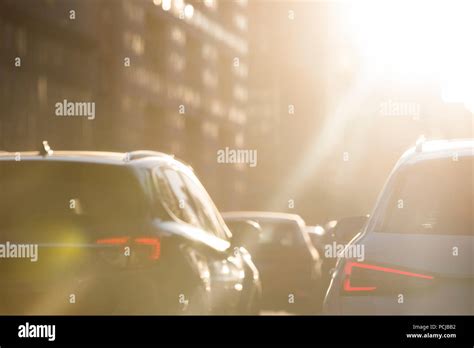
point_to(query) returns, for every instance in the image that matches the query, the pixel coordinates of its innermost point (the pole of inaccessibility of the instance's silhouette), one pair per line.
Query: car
(289, 265)
(418, 242)
(116, 233)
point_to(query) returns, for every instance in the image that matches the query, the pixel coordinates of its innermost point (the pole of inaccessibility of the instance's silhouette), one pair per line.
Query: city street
(236, 158)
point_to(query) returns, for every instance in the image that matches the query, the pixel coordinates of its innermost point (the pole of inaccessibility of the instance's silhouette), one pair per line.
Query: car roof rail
(419, 143)
(185, 163)
(138, 154)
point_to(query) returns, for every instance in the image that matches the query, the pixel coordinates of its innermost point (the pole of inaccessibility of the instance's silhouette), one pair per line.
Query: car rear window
(58, 191)
(431, 197)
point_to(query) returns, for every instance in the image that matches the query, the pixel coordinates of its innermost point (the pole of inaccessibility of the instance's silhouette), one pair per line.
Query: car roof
(237, 215)
(433, 149)
(147, 159)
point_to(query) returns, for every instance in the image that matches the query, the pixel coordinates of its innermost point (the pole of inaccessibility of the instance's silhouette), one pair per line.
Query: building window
(177, 62)
(242, 3)
(135, 13)
(240, 22)
(209, 78)
(209, 52)
(42, 90)
(239, 139)
(216, 108)
(211, 4)
(237, 115)
(240, 93)
(242, 70)
(178, 36)
(210, 129)
(20, 41)
(134, 42)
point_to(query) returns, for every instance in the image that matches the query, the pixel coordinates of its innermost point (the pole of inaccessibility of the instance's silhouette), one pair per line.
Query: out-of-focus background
(329, 93)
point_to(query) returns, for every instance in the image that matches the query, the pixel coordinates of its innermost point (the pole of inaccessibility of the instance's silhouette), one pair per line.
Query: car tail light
(152, 244)
(367, 278)
(127, 251)
(113, 241)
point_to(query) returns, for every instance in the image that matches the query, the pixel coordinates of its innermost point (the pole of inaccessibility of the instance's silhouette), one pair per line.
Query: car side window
(175, 197)
(207, 212)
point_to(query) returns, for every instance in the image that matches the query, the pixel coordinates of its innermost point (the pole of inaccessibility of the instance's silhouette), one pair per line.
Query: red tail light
(371, 277)
(148, 248)
(155, 245)
(113, 241)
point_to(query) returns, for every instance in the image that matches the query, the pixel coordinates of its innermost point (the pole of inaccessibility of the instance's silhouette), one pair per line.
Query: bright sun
(417, 38)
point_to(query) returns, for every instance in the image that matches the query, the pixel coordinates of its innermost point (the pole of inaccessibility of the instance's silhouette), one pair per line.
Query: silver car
(418, 243)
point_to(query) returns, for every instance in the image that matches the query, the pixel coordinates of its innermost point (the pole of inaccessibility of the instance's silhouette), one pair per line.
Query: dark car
(289, 265)
(115, 233)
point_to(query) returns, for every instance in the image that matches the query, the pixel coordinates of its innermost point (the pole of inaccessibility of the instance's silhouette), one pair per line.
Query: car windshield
(42, 191)
(432, 197)
(283, 233)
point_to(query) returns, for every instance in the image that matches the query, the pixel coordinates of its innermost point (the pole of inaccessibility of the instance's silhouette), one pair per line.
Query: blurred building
(290, 60)
(45, 58)
(169, 75)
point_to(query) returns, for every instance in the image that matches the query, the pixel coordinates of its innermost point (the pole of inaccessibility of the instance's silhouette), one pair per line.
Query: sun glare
(417, 39)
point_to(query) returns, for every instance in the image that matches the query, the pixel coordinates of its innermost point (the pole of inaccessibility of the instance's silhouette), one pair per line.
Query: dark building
(45, 58)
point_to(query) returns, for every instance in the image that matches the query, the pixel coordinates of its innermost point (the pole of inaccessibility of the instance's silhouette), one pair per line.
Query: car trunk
(447, 259)
(52, 216)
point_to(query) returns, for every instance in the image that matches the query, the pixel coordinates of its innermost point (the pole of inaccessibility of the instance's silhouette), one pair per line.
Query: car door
(227, 268)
